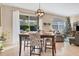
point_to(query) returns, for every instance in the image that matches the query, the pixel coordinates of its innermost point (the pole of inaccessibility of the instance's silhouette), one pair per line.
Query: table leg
(52, 47)
(20, 45)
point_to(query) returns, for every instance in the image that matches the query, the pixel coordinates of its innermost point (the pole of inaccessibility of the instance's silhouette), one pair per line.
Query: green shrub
(24, 27)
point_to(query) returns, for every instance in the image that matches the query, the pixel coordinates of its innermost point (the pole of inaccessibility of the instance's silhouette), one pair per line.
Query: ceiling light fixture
(39, 12)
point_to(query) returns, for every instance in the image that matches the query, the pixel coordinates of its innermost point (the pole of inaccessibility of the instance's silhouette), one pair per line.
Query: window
(28, 23)
(58, 25)
(33, 23)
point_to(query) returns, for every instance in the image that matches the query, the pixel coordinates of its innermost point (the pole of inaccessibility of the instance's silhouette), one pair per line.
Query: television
(77, 28)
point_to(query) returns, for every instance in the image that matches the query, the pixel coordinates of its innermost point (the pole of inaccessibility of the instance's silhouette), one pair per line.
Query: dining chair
(26, 42)
(48, 43)
(35, 44)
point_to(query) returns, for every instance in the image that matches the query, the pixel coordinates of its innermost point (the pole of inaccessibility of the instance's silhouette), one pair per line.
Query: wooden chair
(48, 44)
(26, 42)
(35, 43)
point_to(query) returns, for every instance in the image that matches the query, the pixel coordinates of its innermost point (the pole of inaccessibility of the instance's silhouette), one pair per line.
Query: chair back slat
(35, 39)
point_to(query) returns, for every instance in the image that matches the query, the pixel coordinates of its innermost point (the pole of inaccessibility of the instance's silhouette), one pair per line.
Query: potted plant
(2, 39)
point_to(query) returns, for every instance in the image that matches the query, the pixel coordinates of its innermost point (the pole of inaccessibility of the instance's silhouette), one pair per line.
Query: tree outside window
(28, 23)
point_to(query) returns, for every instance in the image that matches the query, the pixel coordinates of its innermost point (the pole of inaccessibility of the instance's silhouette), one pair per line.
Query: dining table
(42, 36)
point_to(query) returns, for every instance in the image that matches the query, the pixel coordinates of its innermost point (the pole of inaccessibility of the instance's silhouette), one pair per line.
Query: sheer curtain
(58, 25)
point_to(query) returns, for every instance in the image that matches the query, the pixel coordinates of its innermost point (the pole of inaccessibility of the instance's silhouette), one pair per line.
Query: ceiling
(63, 9)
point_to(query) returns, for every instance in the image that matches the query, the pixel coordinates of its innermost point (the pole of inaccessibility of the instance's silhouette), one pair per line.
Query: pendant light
(39, 12)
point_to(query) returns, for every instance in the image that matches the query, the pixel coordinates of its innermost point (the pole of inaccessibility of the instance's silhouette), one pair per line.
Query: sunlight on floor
(62, 49)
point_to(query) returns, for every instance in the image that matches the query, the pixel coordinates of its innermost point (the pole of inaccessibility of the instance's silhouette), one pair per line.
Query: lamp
(39, 12)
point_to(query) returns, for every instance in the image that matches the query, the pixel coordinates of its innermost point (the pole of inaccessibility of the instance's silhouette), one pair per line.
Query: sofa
(75, 40)
(59, 37)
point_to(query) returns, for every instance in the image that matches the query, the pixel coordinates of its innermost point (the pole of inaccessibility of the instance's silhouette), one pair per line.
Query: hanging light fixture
(39, 12)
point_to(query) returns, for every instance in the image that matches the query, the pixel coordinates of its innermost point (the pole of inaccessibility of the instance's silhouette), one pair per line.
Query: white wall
(16, 26)
(40, 24)
(6, 23)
